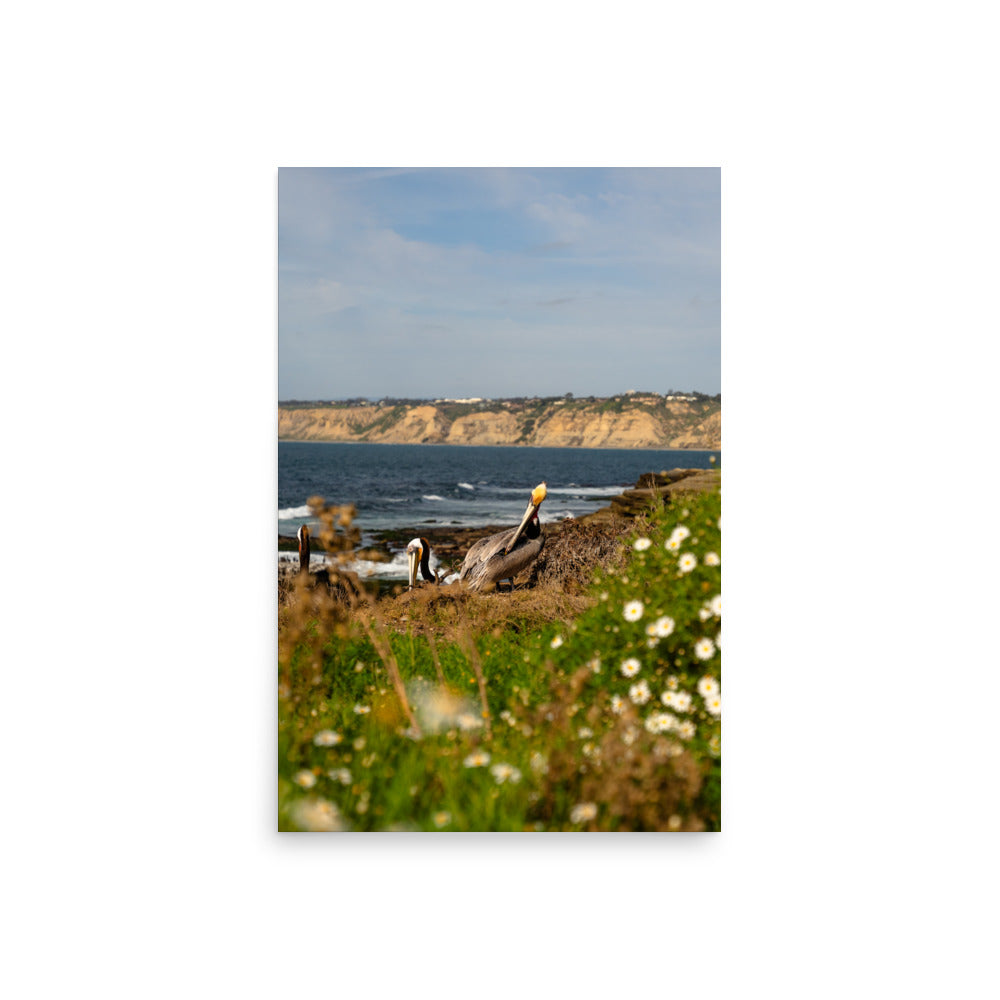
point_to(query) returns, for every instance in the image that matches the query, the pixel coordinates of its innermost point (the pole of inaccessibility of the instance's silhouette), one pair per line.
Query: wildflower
(305, 778)
(687, 562)
(662, 627)
(718, 640)
(327, 738)
(441, 819)
(478, 758)
(588, 750)
(660, 722)
(668, 698)
(617, 704)
(633, 611)
(629, 736)
(556, 642)
(641, 544)
(708, 686)
(505, 772)
(359, 743)
(538, 763)
(672, 682)
(682, 701)
(712, 559)
(585, 732)
(715, 746)
(595, 664)
(316, 815)
(716, 605)
(630, 667)
(686, 729)
(673, 543)
(340, 774)
(582, 812)
(704, 612)
(362, 709)
(652, 643)
(704, 648)
(468, 721)
(713, 704)
(639, 693)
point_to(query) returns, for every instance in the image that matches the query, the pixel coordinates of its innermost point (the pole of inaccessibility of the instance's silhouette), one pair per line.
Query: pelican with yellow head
(503, 555)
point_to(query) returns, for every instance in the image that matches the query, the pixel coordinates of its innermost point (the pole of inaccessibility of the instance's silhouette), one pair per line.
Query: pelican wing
(487, 563)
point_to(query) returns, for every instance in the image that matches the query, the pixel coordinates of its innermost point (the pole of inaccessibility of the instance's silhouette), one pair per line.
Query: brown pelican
(419, 551)
(320, 576)
(503, 555)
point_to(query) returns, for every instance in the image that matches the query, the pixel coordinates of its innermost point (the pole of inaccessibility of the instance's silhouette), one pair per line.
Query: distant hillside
(642, 420)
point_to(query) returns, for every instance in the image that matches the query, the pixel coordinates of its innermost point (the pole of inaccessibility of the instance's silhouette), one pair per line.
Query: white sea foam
(466, 486)
(290, 513)
(431, 496)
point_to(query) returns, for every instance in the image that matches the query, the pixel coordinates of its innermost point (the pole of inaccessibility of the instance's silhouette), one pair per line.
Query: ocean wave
(289, 513)
(466, 486)
(431, 496)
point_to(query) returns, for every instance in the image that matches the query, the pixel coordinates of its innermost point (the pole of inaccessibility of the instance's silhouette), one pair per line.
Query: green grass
(568, 759)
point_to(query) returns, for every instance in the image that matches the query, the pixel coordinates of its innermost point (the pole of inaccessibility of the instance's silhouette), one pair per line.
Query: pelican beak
(413, 555)
(538, 494)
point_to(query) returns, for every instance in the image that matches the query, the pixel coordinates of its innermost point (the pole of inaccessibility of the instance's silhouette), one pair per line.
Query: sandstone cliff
(621, 422)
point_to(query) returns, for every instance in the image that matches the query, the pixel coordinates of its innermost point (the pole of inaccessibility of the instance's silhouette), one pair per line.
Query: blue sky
(497, 282)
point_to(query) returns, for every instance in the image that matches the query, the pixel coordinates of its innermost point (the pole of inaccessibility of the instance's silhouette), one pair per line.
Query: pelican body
(503, 555)
(320, 576)
(419, 552)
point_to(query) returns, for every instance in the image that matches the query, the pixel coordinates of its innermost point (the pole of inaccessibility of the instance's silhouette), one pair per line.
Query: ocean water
(406, 487)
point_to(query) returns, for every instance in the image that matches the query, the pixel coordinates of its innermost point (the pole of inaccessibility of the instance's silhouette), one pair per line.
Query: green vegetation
(606, 717)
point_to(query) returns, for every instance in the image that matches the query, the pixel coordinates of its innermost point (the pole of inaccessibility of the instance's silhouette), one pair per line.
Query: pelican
(503, 555)
(320, 576)
(419, 551)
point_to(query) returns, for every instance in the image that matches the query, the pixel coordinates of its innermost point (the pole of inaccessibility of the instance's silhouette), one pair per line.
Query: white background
(859, 273)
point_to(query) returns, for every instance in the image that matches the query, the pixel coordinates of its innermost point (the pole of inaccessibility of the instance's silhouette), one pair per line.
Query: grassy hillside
(536, 710)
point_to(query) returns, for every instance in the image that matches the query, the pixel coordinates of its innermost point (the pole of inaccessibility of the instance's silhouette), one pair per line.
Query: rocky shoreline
(452, 542)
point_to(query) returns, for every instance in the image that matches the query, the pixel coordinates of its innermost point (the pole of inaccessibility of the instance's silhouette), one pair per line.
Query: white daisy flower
(362, 709)
(539, 764)
(556, 642)
(639, 693)
(478, 758)
(712, 559)
(641, 544)
(660, 722)
(716, 605)
(304, 778)
(505, 772)
(652, 643)
(582, 812)
(633, 611)
(584, 732)
(682, 701)
(617, 704)
(704, 648)
(705, 612)
(327, 738)
(340, 774)
(686, 729)
(713, 704)
(672, 682)
(669, 698)
(630, 667)
(316, 816)
(681, 532)
(595, 664)
(708, 686)
(630, 735)
(467, 721)
(663, 626)
(687, 562)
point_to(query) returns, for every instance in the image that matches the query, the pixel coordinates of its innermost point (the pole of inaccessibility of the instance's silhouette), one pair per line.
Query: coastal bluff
(629, 421)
